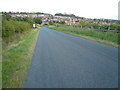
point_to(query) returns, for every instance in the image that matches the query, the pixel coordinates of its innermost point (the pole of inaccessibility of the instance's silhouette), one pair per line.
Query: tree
(51, 22)
(37, 20)
(62, 22)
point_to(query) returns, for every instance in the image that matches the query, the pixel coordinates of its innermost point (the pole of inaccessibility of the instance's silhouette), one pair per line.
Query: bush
(37, 20)
(7, 28)
(11, 28)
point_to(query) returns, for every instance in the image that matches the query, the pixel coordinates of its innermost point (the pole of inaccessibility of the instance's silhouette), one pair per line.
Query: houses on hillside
(69, 19)
(48, 17)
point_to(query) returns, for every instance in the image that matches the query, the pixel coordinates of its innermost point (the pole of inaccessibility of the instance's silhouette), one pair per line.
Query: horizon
(94, 9)
(61, 13)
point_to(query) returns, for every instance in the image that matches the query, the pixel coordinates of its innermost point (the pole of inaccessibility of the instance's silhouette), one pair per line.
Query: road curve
(65, 61)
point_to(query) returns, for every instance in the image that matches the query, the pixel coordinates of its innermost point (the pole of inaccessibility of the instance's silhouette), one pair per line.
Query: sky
(107, 9)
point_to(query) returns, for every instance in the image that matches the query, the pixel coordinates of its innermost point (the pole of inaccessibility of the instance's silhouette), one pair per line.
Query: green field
(17, 59)
(108, 38)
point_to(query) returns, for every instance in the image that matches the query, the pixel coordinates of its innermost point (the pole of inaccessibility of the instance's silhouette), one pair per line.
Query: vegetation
(37, 20)
(18, 43)
(19, 39)
(25, 19)
(89, 25)
(11, 28)
(84, 24)
(17, 59)
(68, 15)
(108, 38)
(14, 28)
(51, 23)
(56, 23)
(94, 23)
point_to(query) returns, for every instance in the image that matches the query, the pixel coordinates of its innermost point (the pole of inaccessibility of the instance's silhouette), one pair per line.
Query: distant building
(69, 19)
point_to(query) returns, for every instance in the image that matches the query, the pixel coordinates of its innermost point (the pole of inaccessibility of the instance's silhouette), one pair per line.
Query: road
(65, 61)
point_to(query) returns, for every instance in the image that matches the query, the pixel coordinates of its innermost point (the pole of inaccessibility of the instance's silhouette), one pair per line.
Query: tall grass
(108, 36)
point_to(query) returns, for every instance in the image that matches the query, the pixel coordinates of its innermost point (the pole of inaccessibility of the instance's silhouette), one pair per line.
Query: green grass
(108, 38)
(0, 63)
(16, 61)
(0, 75)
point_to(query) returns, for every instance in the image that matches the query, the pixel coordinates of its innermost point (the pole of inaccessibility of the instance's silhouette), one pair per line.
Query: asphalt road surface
(65, 61)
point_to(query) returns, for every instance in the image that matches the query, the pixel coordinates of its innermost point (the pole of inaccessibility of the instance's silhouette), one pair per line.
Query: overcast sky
(85, 8)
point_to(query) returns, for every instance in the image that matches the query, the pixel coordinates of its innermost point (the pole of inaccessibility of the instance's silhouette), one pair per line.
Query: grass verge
(108, 38)
(0, 75)
(16, 61)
